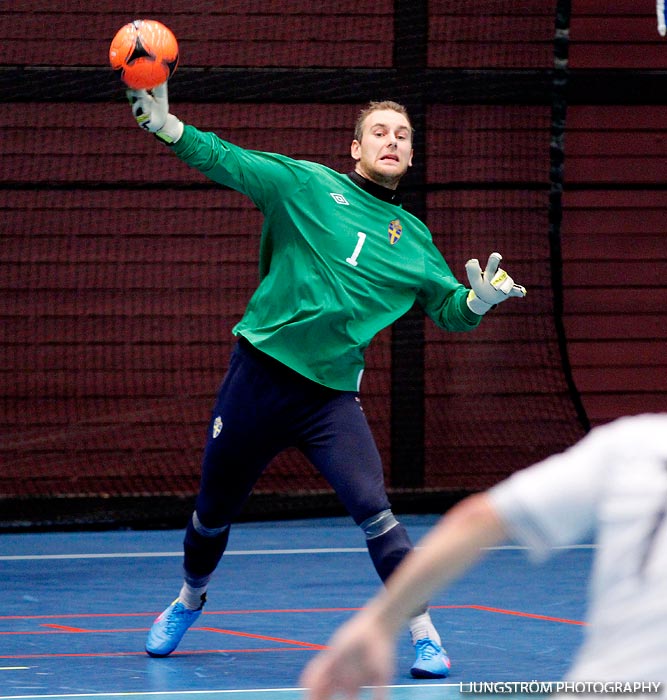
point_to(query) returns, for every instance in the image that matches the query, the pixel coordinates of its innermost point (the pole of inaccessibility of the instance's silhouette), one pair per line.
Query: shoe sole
(157, 655)
(427, 674)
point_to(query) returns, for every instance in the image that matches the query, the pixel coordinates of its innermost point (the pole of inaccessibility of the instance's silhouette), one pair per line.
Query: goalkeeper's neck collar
(383, 193)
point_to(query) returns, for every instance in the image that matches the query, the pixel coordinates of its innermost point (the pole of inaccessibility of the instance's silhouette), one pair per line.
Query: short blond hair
(375, 106)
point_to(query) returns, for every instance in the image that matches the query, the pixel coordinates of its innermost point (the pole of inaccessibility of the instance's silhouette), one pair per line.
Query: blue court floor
(77, 607)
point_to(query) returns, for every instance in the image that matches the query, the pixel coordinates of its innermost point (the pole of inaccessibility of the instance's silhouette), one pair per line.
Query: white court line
(209, 693)
(140, 555)
(242, 553)
(150, 693)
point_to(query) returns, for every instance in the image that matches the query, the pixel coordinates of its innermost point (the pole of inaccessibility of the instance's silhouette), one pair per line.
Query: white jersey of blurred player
(611, 485)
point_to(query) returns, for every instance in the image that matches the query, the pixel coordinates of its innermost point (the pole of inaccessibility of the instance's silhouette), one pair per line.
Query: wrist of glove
(490, 287)
(151, 112)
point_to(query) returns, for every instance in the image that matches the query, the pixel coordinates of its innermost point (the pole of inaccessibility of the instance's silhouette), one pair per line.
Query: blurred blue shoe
(432, 660)
(169, 628)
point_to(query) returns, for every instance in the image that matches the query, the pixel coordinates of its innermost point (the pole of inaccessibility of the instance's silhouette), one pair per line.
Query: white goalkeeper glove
(490, 287)
(662, 19)
(151, 110)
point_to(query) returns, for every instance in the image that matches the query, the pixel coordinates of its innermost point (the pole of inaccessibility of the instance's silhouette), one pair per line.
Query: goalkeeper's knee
(387, 542)
(203, 547)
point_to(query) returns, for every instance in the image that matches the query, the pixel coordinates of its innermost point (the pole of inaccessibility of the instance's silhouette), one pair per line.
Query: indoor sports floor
(77, 606)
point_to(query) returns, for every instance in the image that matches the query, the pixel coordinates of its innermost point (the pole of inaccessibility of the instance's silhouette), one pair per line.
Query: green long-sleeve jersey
(336, 263)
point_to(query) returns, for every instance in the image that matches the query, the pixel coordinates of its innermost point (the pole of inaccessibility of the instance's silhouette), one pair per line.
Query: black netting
(123, 272)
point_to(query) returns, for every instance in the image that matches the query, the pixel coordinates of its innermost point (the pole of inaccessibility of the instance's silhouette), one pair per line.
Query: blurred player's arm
(361, 652)
(151, 110)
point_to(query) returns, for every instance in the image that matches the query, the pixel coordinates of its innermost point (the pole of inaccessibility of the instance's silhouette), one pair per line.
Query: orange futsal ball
(144, 54)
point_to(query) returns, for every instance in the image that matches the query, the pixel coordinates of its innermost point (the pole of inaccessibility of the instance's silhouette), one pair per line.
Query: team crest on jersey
(395, 231)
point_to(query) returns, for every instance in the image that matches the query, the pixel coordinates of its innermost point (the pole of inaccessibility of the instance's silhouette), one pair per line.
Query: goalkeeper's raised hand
(151, 110)
(490, 287)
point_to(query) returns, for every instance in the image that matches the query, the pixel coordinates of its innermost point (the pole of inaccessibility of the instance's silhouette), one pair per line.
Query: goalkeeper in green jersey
(340, 260)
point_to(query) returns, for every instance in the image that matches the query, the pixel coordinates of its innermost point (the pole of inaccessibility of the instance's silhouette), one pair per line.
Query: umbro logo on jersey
(395, 231)
(339, 199)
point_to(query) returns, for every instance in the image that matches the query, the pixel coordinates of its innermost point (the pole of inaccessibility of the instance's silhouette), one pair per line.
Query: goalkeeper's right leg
(203, 548)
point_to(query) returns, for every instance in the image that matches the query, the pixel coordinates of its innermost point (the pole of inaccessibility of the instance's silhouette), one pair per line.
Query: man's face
(385, 151)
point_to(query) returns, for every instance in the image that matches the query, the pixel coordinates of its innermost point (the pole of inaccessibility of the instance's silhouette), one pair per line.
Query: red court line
(308, 645)
(58, 629)
(517, 613)
(294, 644)
(143, 653)
(70, 616)
(269, 611)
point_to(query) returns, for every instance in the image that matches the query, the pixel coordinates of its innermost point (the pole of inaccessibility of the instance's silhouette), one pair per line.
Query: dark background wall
(614, 231)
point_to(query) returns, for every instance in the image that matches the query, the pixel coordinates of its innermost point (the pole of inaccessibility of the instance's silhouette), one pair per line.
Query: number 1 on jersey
(360, 244)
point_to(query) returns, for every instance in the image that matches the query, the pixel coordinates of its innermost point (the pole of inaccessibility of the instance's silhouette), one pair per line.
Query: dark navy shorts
(263, 408)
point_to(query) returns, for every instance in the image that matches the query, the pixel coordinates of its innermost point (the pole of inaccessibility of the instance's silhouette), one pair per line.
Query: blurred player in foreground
(340, 260)
(612, 485)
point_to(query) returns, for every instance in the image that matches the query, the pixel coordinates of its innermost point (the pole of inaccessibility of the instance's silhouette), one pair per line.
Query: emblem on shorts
(395, 230)
(339, 199)
(217, 426)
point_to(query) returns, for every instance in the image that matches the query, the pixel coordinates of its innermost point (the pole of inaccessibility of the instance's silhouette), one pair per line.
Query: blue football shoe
(432, 660)
(169, 628)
